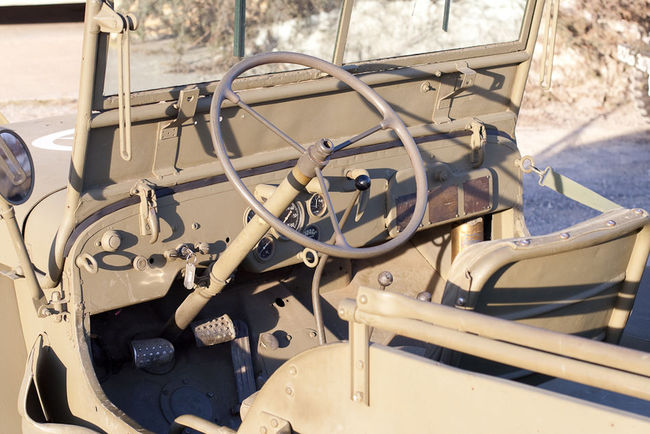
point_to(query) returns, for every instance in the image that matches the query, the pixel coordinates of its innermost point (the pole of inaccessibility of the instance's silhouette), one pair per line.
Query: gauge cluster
(303, 215)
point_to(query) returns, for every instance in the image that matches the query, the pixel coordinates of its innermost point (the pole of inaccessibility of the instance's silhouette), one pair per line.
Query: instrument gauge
(264, 249)
(317, 206)
(293, 216)
(312, 232)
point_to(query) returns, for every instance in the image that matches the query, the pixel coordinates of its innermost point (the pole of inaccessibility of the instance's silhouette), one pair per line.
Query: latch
(467, 80)
(113, 22)
(148, 208)
(168, 136)
(477, 142)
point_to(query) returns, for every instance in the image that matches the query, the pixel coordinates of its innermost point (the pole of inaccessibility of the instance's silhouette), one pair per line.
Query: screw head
(525, 242)
(385, 278)
(424, 296)
(288, 390)
(363, 299)
(460, 301)
(565, 235)
(638, 211)
(357, 397)
(293, 370)
(195, 225)
(610, 223)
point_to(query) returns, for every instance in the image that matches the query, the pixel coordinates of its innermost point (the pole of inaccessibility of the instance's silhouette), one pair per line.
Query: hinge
(111, 21)
(148, 208)
(477, 142)
(169, 135)
(54, 308)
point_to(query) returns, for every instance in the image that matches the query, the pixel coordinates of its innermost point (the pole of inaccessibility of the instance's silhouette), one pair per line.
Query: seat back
(581, 280)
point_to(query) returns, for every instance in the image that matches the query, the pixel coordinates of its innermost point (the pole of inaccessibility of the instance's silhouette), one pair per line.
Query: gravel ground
(608, 153)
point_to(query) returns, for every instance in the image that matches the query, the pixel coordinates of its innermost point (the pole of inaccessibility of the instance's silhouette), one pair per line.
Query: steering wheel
(390, 120)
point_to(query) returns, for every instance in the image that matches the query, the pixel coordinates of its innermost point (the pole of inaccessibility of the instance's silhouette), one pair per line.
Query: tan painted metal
(104, 267)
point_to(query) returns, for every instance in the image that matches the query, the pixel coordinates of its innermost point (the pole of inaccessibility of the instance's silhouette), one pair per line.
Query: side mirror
(16, 168)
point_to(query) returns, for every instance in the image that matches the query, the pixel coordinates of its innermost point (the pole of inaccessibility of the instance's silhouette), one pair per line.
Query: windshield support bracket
(169, 134)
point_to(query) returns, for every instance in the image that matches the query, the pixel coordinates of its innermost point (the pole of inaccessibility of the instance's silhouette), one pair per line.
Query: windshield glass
(190, 41)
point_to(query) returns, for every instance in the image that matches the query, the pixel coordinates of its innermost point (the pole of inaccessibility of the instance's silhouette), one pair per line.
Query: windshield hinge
(477, 142)
(111, 21)
(148, 208)
(169, 134)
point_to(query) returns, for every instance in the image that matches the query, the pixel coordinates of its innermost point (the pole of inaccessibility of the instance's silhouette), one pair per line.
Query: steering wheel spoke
(358, 137)
(339, 238)
(270, 125)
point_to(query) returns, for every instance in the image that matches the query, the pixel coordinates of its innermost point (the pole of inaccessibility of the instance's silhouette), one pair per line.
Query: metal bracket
(272, 424)
(467, 80)
(111, 21)
(54, 308)
(148, 207)
(169, 135)
(359, 336)
(477, 142)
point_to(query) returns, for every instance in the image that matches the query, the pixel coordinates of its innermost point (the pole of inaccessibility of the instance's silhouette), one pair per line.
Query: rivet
(565, 235)
(638, 211)
(341, 311)
(610, 223)
(195, 225)
(525, 242)
(293, 370)
(289, 390)
(357, 397)
(460, 301)
(360, 364)
(312, 333)
(363, 299)
(274, 423)
(263, 430)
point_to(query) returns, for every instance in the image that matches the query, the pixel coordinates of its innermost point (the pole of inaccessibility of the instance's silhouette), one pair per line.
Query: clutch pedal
(154, 355)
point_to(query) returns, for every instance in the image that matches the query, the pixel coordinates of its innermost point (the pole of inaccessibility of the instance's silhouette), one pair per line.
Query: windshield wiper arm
(445, 16)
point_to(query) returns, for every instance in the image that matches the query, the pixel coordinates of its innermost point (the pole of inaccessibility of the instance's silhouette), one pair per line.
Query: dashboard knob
(384, 279)
(362, 182)
(111, 241)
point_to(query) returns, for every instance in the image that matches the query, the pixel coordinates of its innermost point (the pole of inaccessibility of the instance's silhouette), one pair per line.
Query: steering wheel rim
(390, 121)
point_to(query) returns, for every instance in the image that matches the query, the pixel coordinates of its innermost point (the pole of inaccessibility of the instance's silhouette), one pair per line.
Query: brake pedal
(214, 331)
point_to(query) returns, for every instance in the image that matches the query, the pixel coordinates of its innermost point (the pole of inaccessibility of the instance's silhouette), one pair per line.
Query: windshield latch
(148, 209)
(477, 142)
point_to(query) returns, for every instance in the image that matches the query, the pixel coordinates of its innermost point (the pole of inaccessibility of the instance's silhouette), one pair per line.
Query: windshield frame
(103, 102)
